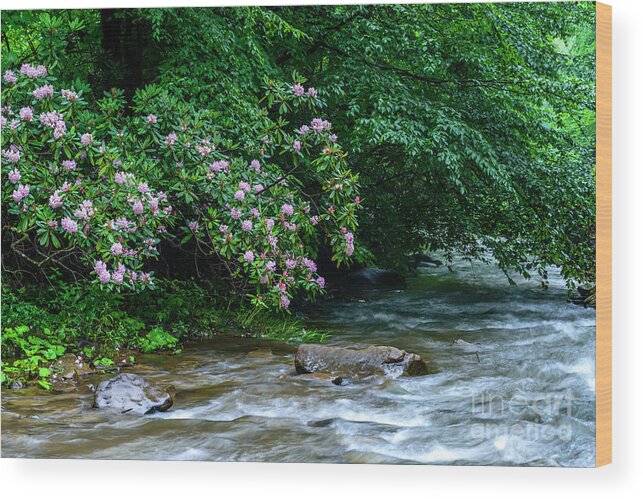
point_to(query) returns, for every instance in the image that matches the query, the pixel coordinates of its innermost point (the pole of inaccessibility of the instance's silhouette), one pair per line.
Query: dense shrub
(94, 189)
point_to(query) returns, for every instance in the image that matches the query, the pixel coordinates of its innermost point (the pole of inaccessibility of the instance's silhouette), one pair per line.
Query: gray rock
(372, 360)
(131, 393)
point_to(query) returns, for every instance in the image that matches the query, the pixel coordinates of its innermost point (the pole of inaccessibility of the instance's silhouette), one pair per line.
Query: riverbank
(104, 331)
(512, 385)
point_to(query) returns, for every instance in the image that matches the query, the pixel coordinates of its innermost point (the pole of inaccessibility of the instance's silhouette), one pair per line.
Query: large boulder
(372, 360)
(131, 393)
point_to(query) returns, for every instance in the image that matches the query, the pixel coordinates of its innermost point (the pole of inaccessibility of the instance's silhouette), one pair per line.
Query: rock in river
(372, 360)
(131, 393)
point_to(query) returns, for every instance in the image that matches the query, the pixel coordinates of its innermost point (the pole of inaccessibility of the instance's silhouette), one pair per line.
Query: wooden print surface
(603, 234)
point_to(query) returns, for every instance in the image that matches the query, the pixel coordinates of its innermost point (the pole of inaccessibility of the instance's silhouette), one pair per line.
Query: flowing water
(517, 390)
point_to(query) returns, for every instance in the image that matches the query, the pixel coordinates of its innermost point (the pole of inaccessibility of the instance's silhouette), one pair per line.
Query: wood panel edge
(603, 234)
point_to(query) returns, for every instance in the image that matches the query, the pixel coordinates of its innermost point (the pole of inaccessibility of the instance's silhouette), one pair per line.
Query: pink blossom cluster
(12, 155)
(85, 211)
(33, 71)
(14, 176)
(69, 225)
(204, 148)
(10, 77)
(69, 95)
(220, 166)
(55, 200)
(86, 139)
(26, 114)
(318, 125)
(299, 90)
(255, 165)
(69, 165)
(171, 139)
(46, 91)
(350, 242)
(21, 192)
(54, 120)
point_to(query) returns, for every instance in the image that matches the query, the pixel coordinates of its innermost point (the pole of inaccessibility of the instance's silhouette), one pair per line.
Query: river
(516, 388)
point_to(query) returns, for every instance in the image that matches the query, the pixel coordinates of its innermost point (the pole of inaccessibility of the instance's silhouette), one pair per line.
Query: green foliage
(157, 339)
(41, 324)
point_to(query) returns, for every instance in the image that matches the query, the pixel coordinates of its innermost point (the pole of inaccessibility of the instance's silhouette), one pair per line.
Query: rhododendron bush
(98, 190)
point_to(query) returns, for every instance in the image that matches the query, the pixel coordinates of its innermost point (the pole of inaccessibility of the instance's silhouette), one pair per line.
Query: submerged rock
(131, 393)
(69, 367)
(372, 360)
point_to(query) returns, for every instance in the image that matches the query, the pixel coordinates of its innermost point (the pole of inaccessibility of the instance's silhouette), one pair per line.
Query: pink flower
(50, 119)
(309, 264)
(60, 130)
(287, 209)
(249, 256)
(10, 77)
(20, 193)
(33, 72)
(312, 92)
(143, 188)
(258, 188)
(120, 178)
(317, 125)
(137, 207)
(219, 166)
(271, 266)
(223, 229)
(117, 249)
(298, 89)
(117, 277)
(26, 114)
(70, 226)
(69, 95)
(194, 226)
(204, 148)
(333, 138)
(255, 165)
(14, 176)
(296, 145)
(152, 119)
(350, 243)
(86, 139)
(304, 129)
(12, 155)
(55, 200)
(101, 270)
(44, 91)
(314, 220)
(171, 139)
(235, 214)
(244, 186)
(321, 282)
(284, 301)
(290, 263)
(254, 212)
(69, 165)
(246, 226)
(239, 195)
(85, 211)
